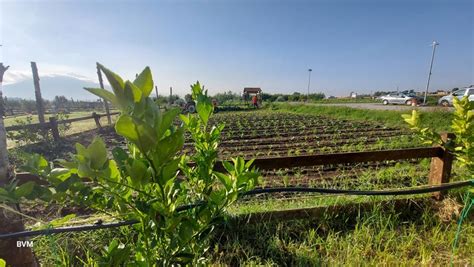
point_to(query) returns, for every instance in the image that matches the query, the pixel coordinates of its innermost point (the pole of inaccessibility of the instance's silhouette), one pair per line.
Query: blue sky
(350, 45)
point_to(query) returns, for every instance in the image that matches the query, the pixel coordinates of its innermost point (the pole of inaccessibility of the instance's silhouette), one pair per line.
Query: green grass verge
(381, 235)
(437, 120)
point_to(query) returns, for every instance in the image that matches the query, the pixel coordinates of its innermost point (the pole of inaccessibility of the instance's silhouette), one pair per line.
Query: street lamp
(309, 83)
(434, 44)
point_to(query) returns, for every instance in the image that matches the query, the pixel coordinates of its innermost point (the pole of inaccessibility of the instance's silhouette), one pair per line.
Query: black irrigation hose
(67, 229)
(95, 226)
(423, 190)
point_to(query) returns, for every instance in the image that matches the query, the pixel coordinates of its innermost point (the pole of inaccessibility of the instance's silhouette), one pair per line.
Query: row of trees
(292, 97)
(62, 104)
(230, 96)
(14, 106)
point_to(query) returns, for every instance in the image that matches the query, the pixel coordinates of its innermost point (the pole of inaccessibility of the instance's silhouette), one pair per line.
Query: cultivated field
(391, 230)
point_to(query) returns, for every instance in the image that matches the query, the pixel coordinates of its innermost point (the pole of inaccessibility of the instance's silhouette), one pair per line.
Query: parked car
(399, 98)
(447, 101)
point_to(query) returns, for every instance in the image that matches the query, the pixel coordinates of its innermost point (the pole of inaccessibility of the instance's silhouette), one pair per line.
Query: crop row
(310, 137)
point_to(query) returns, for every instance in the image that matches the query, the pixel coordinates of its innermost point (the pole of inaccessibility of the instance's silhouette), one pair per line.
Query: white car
(448, 100)
(398, 98)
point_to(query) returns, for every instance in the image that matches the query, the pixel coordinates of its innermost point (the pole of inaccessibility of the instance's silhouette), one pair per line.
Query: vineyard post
(39, 99)
(106, 104)
(440, 169)
(97, 120)
(53, 123)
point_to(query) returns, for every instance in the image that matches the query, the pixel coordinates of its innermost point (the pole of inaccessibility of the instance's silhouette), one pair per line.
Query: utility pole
(39, 99)
(309, 83)
(434, 44)
(171, 95)
(156, 91)
(106, 104)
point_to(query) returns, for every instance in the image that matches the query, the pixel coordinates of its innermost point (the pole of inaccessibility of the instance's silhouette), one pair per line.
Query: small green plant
(462, 126)
(63, 127)
(24, 136)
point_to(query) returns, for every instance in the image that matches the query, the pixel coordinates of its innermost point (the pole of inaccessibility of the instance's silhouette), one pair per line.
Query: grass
(381, 235)
(437, 120)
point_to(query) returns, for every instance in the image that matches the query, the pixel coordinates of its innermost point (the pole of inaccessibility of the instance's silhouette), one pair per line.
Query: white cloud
(15, 76)
(12, 77)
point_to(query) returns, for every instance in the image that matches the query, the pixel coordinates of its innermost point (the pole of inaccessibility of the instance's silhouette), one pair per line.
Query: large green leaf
(114, 80)
(24, 189)
(144, 82)
(225, 180)
(166, 121)
(97, 153)
(117, 84)
(204, 108)
(102, 93)
(136, 131)
(204, 105)
(168, 147)
(125, 127)
(137, 172)
(132, 93)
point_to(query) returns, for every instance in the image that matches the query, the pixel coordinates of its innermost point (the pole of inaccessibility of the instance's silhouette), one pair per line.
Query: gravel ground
(380, 106)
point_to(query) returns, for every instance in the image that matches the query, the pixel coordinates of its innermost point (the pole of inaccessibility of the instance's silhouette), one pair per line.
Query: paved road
(380, 106)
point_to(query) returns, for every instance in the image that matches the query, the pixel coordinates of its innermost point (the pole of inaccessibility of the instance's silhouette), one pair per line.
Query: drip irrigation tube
(398, 192)
(409, 191)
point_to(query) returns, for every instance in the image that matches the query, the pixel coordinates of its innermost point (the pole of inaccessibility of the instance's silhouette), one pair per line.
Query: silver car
(447, 101)
(398, 98)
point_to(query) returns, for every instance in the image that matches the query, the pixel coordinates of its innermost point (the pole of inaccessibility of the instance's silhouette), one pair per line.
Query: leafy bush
(177, 199)
(462, 126)
(26, 136)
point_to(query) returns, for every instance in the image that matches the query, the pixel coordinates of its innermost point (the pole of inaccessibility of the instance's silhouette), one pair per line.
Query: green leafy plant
(462, 126)
(24, 136)
(177, 199)
(63, 128)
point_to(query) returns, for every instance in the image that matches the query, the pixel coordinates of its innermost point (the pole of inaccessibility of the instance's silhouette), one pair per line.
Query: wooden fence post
(39, 99)
(53, 123)
(97, 120)
(440, 169)
(106, 104)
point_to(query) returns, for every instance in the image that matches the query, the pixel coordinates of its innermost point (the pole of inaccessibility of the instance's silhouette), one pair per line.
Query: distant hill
(51, 86)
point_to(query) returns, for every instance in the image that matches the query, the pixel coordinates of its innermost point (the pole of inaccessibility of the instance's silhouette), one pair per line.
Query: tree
(226, 96)
(60, 102)
(10, 221)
